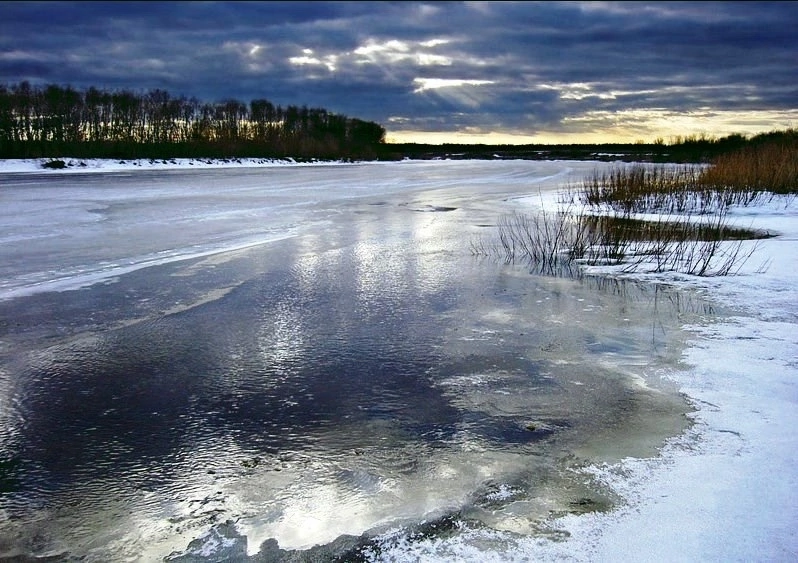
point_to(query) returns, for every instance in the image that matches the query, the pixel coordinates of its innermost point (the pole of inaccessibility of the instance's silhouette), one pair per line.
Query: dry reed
(689, 234)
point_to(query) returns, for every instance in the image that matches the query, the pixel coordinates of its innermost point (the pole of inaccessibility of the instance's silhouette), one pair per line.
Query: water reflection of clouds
(372, 266)
(431, 233)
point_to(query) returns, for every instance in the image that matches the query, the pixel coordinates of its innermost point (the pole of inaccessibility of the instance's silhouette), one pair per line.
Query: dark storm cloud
(486, 66)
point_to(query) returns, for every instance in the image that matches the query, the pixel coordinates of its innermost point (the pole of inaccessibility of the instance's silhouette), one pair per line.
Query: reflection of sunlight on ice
(376, 270)
(317, 506)
(501, 316)
(321, 502)
(465, 380)
(169, 524)
(429, 231)
(316, 515)
(281, 342)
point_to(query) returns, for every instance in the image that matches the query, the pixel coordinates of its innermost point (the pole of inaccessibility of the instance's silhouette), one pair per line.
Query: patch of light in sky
(435, 83)
(395, 51)
(434, 42)
(426, 59)
(371, 47)
(307, 58)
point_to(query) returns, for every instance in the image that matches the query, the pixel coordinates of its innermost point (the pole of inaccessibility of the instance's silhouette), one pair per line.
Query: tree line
(55, 120)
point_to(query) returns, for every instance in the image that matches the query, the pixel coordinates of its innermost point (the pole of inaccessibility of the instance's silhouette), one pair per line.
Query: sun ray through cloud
(519, 69)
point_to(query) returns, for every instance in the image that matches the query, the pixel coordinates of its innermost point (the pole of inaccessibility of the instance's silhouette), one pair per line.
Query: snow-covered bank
(728, 490)
(113, 165)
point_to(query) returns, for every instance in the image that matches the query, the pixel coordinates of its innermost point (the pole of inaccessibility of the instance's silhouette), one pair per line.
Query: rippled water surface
(305, 354)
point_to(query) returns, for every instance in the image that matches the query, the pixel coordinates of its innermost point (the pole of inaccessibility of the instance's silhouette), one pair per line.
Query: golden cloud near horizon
(629, 126)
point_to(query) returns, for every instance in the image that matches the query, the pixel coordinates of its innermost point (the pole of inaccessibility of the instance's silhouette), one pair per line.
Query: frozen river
(279, 358)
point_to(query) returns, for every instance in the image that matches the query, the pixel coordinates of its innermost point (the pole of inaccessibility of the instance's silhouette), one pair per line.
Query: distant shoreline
(85, 165)
(67, 164)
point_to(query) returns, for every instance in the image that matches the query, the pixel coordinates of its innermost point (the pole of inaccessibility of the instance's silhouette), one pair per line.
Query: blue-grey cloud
(521, 67)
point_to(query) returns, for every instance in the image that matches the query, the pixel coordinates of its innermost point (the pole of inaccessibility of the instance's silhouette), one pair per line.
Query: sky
(464, 72)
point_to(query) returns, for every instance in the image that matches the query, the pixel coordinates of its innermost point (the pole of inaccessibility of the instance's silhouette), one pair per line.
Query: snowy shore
(727, 489)
(82, 165)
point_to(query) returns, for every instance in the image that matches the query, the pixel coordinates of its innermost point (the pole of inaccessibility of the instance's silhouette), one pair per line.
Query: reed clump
(553, 243)
(770, 167)
(743, 177)
(688, 233)
(639, 188)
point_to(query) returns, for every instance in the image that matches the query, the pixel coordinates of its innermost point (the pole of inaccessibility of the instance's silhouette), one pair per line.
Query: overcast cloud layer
(548, 71)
